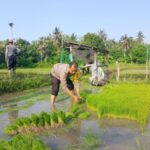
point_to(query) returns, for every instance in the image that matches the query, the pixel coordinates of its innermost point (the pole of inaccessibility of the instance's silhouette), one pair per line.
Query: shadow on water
(88, 134)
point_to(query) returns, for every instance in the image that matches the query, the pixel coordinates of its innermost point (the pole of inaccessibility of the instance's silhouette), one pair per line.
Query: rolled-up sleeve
(6, 53)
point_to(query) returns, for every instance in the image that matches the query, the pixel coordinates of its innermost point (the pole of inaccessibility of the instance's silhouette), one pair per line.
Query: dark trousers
(56, 84)
(11, 64)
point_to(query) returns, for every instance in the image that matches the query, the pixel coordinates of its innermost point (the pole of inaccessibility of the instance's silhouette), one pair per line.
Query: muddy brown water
(110, 134)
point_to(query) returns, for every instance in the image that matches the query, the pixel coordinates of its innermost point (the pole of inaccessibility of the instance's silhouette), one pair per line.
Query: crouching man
(61, 74)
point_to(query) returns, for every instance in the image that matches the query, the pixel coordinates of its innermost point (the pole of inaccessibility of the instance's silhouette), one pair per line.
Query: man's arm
(6, 53)
(63, 80)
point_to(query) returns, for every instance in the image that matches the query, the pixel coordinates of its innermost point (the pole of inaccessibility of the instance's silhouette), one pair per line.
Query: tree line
(47, 50)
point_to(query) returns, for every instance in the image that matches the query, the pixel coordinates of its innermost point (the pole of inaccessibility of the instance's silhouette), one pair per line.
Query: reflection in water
(13, 114)
(64, 137)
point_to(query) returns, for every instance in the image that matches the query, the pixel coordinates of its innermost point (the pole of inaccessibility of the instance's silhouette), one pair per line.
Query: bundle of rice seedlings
(69, 116)
(54, 120)
(84, 115)
(35, 122)
(46, 118)
(35, 119)
(11, 129)
(61, 118)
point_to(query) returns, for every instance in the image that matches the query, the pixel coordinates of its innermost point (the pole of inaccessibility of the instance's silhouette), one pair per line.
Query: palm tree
(70, 38)
(11, 24)
(125, 44)
(57, 36)
(103, 36)
(73, 38)
(140, 37)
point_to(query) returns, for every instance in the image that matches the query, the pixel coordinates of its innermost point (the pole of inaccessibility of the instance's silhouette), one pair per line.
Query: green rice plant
(25, 121)
(41, 122)
(4, 145)
(69, 116)
(11, 129)
(46, 118)
(37, 123)
(19, 122)
(35, 120)
(124, 100)
(61, 118)
(90, 141)
(84, 115)
(54, 119)
(23, 142)
(76, 109)
(83, 96)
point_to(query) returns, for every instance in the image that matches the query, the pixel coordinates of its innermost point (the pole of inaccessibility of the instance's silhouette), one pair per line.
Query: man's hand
(76, 99)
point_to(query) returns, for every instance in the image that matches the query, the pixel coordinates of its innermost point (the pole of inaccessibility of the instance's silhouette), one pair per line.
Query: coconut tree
(11, 24)
(57, 36)
(103, 36)
(71, 38)
(124, 42)
(140, 37)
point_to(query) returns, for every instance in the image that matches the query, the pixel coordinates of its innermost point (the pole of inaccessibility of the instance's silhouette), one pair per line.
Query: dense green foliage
(92, 39)
(22, 82)
(48, 49)
(124, 100)
(23, 142)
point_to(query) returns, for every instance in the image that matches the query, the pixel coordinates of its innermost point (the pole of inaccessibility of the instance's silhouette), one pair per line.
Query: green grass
(29, 70)
(23, 142)
(127, 66)
(23, 82)
(123, 100)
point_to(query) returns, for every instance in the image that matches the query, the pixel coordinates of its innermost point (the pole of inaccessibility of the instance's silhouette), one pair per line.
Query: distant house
(84, 52)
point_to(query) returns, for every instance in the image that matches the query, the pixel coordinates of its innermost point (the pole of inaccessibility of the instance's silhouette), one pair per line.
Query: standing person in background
(10, 57)
(60, 74)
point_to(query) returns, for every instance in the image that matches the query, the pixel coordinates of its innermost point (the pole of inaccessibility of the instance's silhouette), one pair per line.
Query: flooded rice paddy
(91, 133)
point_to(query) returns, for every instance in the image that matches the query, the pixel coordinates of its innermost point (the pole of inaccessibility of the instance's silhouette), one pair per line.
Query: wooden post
(147, 64)
(118, 71)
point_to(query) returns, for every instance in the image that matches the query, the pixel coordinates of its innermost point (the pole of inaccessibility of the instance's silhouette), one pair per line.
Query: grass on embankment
(25, 78)
(124, 100)
(29, 70)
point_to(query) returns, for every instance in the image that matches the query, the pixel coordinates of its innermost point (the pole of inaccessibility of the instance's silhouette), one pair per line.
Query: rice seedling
(4, 145)
(84, 115)
(36, 123)
(47, 119)
(44, 120)
(54, 120)
(11, 129)
(61, 118)
(90, 141)
(23, 142)
(35, 120)
(124, 100)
